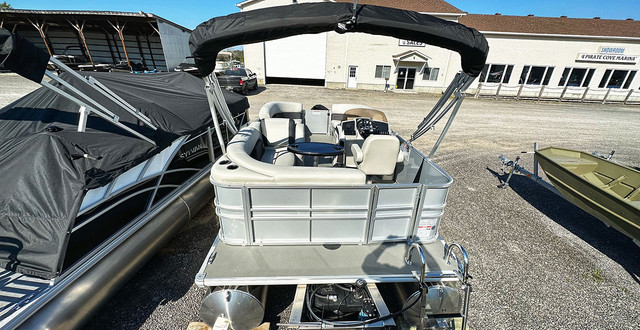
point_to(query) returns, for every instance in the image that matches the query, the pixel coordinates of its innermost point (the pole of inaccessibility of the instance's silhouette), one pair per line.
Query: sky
(191, 13)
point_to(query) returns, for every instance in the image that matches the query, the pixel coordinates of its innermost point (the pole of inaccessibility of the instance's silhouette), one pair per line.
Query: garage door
(301, 57)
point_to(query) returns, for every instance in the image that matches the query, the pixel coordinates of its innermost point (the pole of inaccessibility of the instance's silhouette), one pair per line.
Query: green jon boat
(606, 190)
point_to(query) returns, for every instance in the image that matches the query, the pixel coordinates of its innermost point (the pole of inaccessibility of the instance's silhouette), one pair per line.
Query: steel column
(40, 28)
(80, 29)
(119, 28)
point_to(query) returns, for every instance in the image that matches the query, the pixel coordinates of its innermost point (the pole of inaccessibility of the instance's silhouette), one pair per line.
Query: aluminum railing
(567, 93)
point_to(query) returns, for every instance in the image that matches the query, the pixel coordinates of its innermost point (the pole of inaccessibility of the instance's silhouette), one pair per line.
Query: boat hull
(604, 189)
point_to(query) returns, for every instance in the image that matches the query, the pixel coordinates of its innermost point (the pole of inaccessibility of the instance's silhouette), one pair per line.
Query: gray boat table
(315, 264)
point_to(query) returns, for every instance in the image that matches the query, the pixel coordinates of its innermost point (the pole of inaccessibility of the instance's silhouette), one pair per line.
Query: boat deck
(16, 290)
(314, 264)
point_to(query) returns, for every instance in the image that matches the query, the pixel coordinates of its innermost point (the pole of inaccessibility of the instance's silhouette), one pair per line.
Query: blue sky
(191, 13)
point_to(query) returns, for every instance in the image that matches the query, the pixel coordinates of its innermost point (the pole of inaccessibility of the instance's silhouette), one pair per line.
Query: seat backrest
(367, 113)
(277, 132)
(292, 110)
(338, 110)
(379, 154)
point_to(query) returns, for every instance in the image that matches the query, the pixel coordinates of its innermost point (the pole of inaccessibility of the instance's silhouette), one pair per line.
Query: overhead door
(301, 57)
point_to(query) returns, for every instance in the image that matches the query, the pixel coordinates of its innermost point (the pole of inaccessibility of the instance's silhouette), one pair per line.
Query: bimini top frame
(25, 59)
(218, 33)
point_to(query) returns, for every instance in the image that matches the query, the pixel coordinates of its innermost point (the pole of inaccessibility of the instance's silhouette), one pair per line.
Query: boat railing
(284, 214)
(88, 105)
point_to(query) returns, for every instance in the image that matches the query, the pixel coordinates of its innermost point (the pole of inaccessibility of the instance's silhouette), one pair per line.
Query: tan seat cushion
(367, 113)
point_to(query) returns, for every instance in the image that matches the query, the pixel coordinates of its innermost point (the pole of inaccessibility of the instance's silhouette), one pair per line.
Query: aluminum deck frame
(228, 265)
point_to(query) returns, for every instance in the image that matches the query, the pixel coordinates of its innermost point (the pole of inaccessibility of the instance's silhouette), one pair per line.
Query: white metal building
(535, 57)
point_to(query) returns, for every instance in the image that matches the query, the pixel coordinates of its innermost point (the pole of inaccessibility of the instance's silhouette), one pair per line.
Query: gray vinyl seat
(277, 134)
(378, 155)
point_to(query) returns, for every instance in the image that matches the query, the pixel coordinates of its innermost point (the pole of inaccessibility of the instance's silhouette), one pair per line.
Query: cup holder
(232, 167)
(225, 162)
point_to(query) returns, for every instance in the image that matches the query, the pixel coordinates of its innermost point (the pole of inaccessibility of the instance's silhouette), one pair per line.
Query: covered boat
(330, 199)
(606, 190)
(97, 172)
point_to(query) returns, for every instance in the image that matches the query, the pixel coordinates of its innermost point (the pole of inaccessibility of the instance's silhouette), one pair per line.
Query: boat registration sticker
(426, 227)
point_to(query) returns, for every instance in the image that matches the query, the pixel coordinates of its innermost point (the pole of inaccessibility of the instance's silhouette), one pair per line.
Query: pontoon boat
(96, 172)
(331, 199)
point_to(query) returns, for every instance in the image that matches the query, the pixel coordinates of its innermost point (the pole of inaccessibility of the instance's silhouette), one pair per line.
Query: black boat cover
(43, 172)
(22, 57)
(272, 23)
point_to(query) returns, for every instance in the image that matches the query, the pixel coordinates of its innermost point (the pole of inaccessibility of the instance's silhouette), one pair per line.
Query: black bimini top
(272, 23)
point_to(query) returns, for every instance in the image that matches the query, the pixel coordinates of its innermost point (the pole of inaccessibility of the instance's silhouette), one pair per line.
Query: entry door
(352, 80)
(406, 78)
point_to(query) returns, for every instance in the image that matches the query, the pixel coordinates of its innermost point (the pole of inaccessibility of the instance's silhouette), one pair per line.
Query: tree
(238, 55)
(4, 5)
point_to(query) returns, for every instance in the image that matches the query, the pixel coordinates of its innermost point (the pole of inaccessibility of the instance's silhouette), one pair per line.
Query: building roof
(63, 15)
(421, 6)
(553, 25)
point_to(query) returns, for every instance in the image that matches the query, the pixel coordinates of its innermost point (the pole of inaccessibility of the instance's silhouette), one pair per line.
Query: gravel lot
(537, 260)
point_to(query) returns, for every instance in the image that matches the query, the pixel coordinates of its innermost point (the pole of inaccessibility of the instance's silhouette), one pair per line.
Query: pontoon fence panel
(253, 214)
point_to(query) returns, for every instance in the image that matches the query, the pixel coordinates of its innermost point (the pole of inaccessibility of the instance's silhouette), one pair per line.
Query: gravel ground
(537, 260)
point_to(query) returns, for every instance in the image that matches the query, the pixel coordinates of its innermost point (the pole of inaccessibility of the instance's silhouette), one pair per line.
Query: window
(383, 71)
(496, 73)
(576, 77)
(535, 75)
(617, 79)
(430, 73)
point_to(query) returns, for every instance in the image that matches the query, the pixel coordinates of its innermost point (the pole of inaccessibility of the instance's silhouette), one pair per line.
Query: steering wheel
(365, 127)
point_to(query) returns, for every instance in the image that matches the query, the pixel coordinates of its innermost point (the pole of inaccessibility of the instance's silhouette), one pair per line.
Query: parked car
(239, 80)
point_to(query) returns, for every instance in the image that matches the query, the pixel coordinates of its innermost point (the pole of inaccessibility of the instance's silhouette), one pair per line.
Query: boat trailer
(513, 167)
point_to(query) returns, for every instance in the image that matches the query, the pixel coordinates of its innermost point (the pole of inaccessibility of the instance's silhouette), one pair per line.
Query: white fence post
(562, 95)
(585, 94)
(540, 93)
(519, 92)
(628, 96)
(606, 95)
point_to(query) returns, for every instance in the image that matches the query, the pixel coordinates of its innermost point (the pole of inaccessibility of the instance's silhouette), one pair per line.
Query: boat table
(315, 149)
(316, 264)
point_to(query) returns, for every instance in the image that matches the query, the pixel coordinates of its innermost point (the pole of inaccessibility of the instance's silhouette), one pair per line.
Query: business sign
(611, 50)
(608, 58)
(409, 43)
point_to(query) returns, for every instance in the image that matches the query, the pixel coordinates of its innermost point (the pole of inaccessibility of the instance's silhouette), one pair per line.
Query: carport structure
(102, 37)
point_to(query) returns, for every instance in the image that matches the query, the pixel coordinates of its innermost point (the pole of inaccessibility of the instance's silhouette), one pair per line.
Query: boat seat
(368, 113)
(277, 134)
(240, 165)
(324, 138)
(578, 166)
(291, 110)
(378, 155)
(338, 110)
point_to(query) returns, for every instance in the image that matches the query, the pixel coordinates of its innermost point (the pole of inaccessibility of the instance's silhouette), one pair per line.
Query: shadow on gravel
(594, 232)
(167, 277)
(257, 91)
